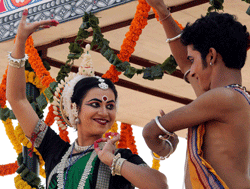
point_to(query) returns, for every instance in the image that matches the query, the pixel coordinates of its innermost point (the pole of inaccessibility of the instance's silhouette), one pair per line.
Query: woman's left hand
(106, 154)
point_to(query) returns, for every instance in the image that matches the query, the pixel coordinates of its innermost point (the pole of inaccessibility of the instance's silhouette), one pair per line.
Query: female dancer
(90, 105)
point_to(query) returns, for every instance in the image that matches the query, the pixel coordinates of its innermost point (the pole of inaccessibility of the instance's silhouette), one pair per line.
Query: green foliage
(27, 175)
(216, 5)
(89, 20)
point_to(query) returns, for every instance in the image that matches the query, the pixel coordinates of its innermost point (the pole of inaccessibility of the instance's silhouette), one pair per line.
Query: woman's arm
(16, 85)
(143, 177)
(139, 176)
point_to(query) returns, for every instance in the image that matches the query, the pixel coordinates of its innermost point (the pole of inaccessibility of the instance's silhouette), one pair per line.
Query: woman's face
(98, 112)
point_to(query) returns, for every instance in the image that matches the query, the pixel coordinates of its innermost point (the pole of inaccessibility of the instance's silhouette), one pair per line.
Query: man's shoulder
(222, 100)
(222, 95)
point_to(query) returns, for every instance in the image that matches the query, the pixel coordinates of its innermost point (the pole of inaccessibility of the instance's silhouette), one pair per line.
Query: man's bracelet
(167, 156)
(174, 38)
(162, 128)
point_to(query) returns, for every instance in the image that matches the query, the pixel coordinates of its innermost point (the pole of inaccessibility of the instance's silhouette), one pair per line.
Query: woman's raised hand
(26, 29)
(106, 155)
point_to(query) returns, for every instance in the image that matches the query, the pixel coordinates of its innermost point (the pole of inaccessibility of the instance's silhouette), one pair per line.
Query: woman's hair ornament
(67, 112)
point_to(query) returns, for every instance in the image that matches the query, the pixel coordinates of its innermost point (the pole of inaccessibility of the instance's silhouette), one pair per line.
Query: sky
(173, 167)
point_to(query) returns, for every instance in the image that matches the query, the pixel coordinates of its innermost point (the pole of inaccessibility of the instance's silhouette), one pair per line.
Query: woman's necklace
(80, 148)
(60, 180)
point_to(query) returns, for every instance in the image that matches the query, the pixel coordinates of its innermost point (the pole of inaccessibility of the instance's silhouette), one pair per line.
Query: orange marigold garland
(131, 140)
(123, 136)
(135, 30)
(50, 119)
(8, 169)
(3, 90)
(37, 64)
(64, 134)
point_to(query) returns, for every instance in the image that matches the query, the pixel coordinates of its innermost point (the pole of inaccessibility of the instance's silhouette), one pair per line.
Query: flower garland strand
(123, 136)
(8, 169)
(37, 64)
(3, 90)
(127, 48)
(131, 140)
(156, 163)
(10, 133)
(21, 184)
(50, 118)
(12, 167)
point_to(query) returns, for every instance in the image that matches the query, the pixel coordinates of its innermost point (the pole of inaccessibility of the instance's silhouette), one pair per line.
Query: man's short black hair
(222, 32)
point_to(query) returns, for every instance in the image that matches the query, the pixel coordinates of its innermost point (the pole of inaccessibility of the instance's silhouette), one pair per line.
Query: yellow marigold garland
(10, 133)
(113, 129)
(32, 78)
(21, 184)
(156, 163)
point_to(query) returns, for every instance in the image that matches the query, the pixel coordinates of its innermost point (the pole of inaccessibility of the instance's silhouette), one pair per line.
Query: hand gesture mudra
(26, 29)
(106, 154)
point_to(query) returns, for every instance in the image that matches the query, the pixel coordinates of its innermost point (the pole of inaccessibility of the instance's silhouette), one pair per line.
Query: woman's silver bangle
(174, 38)
(118, 166)
(114, 163)
(185, 75)
(162, 128)
(167, 156)
(17, 63)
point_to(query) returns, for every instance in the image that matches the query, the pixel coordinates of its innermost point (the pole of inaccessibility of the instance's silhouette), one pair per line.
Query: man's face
(200, 70)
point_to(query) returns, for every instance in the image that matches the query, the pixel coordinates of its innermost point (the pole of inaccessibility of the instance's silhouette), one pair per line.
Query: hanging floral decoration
(50, 119)
(123, 136)
(37, 64)
(9, 129)
(127, 48)
(21, 184)
(3, 89)
(150, 73)
(113, 129)
(8, 169)
(156, 163)
(126, 138)
(131, 140)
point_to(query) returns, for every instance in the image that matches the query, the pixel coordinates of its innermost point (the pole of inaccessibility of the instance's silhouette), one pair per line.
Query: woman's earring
(77, 121)
(211, 64)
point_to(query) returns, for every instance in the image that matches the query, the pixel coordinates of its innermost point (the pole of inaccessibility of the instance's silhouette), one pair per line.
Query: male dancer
(210, 53)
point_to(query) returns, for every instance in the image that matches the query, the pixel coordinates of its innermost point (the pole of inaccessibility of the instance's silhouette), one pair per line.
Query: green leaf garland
(91, 21)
